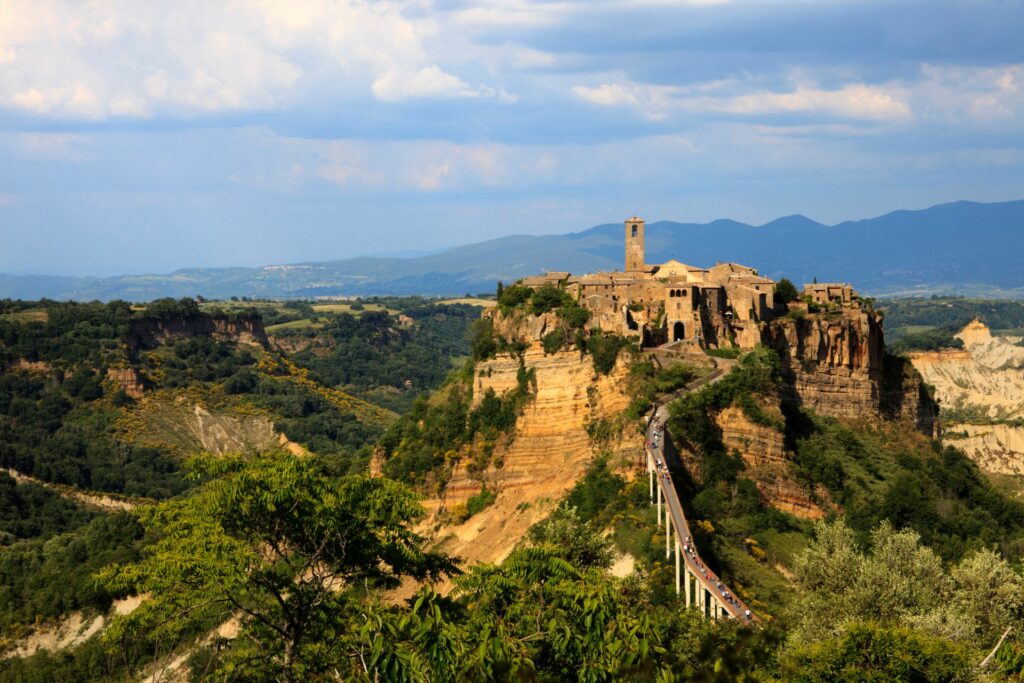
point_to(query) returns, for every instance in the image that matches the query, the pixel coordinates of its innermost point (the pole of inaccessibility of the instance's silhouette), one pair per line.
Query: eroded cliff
(835, 363)
(981, 390)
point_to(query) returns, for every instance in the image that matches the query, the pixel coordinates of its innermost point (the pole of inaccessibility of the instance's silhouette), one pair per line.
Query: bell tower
(635, 245)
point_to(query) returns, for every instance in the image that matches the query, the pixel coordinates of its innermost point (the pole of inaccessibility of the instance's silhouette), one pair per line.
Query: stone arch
(678, 331)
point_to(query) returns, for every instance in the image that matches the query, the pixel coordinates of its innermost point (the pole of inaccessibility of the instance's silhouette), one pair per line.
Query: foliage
(419, 442)
(271, 539)
(31, 511)
(480, 501)
(646, 381)
(889, 474)
(869, 653)
(604, 350)
(42, 579)
(692, 416)
(951, 313)
(375, 357)
(786, 291)
(483, 344)
(566, 534)
(555, 340)
(928, 340)
(898, 582)
(511, 297)
(723, 352)
(548, 298)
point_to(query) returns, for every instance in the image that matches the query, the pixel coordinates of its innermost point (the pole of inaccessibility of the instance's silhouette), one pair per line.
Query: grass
(27, 316)
(471, 301)
(295, 325)
(1010, 485)
(347, 308)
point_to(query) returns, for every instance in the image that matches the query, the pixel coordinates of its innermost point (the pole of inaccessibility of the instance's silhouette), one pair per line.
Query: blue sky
(140, 136)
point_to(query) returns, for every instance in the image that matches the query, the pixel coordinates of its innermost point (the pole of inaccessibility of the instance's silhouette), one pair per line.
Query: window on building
(634, 231)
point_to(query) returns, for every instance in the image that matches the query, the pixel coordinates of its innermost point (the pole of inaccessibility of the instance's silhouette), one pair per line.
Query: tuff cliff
(765, 459)
(244, 330)
(981, 388)
(835, 363)
(550, 447)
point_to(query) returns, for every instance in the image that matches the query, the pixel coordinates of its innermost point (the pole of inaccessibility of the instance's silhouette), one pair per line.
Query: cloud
(429, 81)
(121, 58)
(657, 102)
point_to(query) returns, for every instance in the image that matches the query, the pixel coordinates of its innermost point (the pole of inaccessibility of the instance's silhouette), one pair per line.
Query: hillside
(962, 247)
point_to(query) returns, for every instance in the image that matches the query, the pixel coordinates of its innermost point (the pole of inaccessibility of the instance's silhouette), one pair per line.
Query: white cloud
(855, 101)
(430, 81)
(63, 58)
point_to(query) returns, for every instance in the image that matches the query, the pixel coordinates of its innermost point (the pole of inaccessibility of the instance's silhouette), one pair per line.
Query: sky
(142, 136)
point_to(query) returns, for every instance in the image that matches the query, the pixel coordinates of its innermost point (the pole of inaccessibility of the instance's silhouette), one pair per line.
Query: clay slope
(981, 390)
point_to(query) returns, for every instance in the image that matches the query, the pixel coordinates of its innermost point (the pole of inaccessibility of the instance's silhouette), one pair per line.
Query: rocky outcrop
(147, 332)
(831, 363)
(518, 325)
(835, 363)
(548, 452)
(766, 461)
(128, 379)
(757, 444)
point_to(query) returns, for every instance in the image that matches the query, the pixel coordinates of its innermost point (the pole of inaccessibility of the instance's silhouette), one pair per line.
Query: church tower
(635, 245)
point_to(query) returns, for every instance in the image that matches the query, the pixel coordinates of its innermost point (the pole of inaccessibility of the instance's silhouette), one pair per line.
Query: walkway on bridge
(703, 588)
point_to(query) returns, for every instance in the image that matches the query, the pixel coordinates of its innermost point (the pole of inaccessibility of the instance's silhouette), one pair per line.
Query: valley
(510, 440)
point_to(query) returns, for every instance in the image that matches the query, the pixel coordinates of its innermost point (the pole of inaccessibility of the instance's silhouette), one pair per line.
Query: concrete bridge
(702, 587)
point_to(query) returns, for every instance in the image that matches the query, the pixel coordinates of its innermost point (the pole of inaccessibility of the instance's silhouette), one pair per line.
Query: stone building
(720, 306)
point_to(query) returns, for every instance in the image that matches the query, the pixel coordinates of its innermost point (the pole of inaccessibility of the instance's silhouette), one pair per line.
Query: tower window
(634, 231)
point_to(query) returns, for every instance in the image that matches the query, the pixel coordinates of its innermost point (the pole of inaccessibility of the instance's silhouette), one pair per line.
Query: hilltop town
(672, 302)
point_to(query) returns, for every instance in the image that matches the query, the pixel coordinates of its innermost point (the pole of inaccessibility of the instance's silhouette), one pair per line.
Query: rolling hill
(961, 247)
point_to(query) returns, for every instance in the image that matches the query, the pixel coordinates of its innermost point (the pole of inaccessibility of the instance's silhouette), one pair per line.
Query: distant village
(721, 306)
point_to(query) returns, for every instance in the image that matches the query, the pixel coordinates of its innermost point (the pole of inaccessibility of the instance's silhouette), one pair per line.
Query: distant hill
(962, 247)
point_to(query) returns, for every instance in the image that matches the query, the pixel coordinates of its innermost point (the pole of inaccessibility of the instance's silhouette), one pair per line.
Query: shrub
(516, 295)
(482, 343)
(548, 298)
(480, 501)
(574, 316)
(786, 291)
(604, 349)
(554, 341)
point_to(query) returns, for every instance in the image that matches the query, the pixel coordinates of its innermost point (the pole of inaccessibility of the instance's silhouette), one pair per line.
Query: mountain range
(961, 247)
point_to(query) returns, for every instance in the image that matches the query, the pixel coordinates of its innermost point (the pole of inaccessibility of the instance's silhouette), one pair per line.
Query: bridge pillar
(659, 506)
(677, 567)
(650, 472)
(689, 590)
(668, 532)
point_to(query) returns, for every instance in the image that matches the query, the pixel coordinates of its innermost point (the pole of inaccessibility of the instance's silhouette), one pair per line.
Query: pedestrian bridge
(702, 587)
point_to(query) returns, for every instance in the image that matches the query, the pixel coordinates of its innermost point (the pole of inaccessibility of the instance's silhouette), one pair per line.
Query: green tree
(275, 542)
(869, 653)
(548, 298)
(565, 533)
(786, 291)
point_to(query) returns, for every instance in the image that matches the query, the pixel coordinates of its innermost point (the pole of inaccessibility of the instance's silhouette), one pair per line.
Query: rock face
(764, 455)
(128, 380)
(981, 389)
(549, 451)
(835, 364)
(248, 331)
